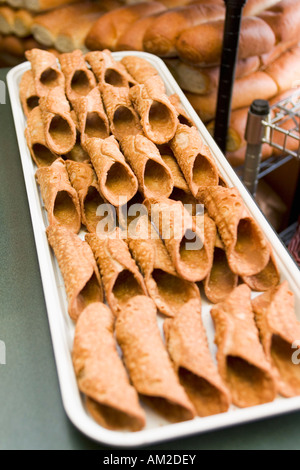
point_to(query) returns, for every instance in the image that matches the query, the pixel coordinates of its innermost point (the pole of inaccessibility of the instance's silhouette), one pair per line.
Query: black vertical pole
(234, 9)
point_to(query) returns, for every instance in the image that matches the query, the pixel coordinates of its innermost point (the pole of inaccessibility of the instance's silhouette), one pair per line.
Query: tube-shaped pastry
(154, 176)
(60, 129)
(79, 80)
(107, 70)
(121, 277)
(78, 268)
(247, 249)
(84, 180)
(188, 348)
(267, 278)
(280, 332)
(91, 117)
(147, 361)
(28, 95)
(122, 117)
(181, 191)
(36, 142)
(221, 281)
(194, 158)
(183, 117)
(138, 68)
(60, 198)
(168, 291)
(101, 376)
(157, 114)
(117, 181)
(190, 248)
(46, 72)
(242, 363)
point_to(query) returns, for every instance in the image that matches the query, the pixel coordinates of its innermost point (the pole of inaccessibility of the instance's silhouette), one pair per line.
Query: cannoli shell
(140, 69)
(110, 398)
(117, 181)
(28, 95)
(280, 332)
(59, 197)
(36, 142)
(122, 117)
(154, 176)
(165, 287)
(194, 158)
(78, 268)
(107, 70)
(121, 277)
(247, 249)
(269, 277)
(60, 129)
(84, 181)
(242, 363)
(191, 255)
(148, 363)
(91, 117)
(183, 117)
(157, 114)
(188, 348)
(221, 281)
(79, 80)
(46, 72)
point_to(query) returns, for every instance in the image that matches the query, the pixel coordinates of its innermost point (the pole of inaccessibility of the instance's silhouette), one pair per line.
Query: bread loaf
(106, 32)
(43, 5)
(133, 37)
(7, 20)
(202, 44)
(276, 52)
(23, 23)
(284, 19)
(45, 28)
(205, 80)
(258, 85)
(285, 70)
(160, 38)
(254, 7)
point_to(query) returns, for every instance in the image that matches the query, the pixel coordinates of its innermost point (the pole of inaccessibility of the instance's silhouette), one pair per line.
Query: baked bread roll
(7, 20)
(110, 398)
(132, 39)
(205, 80)
(254, 7)
(161, 36)
(105, 33)
(285, 70)
(43, 5)
(284, 19)
(23, 23)
(277, 51)
(202, 44)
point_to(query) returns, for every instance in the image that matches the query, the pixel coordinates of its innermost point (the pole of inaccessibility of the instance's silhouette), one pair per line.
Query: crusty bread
(285, 70)
(276, 52)
(105, 33)
(7, 20)
(15, 3)
(43, 5)
(205, 80)
(254, 7)
(202, 44)
(258, 85)
(160, 38)
(45, 28)
(284, 19)
(23, 23)
(132, 39)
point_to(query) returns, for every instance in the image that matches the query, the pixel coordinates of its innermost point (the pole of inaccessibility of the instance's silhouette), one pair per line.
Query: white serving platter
(62, 328)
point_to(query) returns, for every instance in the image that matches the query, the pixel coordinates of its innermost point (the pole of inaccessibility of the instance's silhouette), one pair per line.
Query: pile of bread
(136, 144)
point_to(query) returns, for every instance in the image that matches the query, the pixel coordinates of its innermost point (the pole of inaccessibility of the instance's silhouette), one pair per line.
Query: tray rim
(59, 338)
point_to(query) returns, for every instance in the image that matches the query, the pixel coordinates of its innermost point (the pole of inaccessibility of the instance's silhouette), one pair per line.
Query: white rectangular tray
(62, 328)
